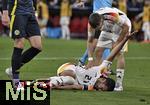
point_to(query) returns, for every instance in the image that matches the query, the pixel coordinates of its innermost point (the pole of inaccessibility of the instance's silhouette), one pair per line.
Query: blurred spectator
(43, 16)
(4, 31)
(134, 7)
(146, 21)
(145, 18)
(137, 24)
(115, 3)
(0, 16)
(122, 5)
(65, 14)
(53, 2)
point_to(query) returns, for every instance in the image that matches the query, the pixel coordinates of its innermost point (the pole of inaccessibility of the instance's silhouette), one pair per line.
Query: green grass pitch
(56, 52)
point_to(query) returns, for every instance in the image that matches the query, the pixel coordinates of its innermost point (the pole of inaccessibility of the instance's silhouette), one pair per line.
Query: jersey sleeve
(4, 4)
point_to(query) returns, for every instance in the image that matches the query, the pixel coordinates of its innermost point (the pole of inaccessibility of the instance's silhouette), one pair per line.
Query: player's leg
(36, 47)
(65, 75)
(63, 30)
(120, 68)
(120, 72)
(67, 28)
(147, 30)
(16, 60)
(34, 38)
(63, 27)
(83, 59)
(17, 32)
(121, 60)
(104, 42)
(105, 53)
(33, 30)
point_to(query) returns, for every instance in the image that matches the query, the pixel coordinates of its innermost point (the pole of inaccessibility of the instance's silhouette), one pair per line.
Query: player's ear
(102, 80)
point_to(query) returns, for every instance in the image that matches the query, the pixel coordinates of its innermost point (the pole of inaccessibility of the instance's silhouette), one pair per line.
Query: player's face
(101, 85)
(100, 24)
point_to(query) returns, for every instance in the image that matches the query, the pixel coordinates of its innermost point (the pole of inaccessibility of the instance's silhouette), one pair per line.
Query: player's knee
(21, 46)
(19, 43)
(39, 47)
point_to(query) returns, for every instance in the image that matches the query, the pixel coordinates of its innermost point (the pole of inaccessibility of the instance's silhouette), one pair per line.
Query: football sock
(84, 57)
(61, 80)
(16, 62)
(29, 55)
(119, 76)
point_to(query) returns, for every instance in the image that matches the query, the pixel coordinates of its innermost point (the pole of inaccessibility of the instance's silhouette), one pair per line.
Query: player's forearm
(125, 30)
(90, 47)
(90, 51)
(116, 50)
(120, 45)
(4, 5)
(69, 87)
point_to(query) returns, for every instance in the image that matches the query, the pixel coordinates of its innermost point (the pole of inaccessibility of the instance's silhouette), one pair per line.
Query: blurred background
(50, 15)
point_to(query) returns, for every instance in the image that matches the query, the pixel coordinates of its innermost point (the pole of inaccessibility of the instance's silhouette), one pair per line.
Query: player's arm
(69, 87)
(35, 4)
(107, 63)
(125, 30)
(75, 87)
(116, 50)
(90, 47)
(5, 15)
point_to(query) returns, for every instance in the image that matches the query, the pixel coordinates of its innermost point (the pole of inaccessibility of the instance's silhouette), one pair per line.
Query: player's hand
(5, 18)
(131, 34)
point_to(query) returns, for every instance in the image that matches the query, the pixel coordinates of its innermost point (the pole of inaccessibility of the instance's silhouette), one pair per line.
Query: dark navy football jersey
(21, 7)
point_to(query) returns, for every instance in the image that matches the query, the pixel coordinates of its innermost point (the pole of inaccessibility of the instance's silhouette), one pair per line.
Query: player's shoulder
(119, 11)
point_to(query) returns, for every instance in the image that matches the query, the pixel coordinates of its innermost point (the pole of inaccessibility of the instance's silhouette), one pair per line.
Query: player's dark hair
(110, 84)
(94, 20)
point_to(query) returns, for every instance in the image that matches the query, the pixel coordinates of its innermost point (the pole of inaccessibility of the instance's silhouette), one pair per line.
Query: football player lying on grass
(70, 76)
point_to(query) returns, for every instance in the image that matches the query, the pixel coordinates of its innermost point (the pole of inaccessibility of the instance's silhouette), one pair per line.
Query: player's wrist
(106, 63)
(90, 58)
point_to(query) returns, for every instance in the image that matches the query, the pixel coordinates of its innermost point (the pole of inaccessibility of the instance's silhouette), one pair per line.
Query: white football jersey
(85, 76)
(112, 13)
(90, 76)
